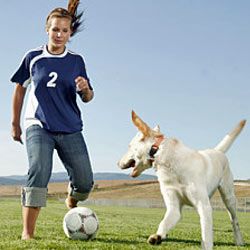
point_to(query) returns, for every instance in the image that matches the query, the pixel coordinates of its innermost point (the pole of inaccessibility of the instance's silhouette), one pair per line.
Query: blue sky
(184, 65)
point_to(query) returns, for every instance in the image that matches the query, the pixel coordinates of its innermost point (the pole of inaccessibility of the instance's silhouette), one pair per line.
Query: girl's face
(59, 32)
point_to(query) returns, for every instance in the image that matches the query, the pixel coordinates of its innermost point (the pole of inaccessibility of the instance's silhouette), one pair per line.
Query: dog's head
(137, 156)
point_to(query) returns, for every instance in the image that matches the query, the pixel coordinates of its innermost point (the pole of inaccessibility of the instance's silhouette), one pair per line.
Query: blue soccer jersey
(52, 98)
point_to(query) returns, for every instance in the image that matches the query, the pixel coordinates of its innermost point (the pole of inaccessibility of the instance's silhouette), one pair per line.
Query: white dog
(186, 177)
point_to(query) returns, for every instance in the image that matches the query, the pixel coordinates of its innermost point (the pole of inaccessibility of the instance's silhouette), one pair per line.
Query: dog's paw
(154, 239)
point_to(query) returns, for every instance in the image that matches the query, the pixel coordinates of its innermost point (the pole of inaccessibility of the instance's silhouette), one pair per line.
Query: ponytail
(76, 18)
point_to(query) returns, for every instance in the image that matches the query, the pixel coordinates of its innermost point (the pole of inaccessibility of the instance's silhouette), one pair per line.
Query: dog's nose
(120, 164)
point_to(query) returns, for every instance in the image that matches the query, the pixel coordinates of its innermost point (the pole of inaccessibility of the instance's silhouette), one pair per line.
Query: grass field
(120, 228)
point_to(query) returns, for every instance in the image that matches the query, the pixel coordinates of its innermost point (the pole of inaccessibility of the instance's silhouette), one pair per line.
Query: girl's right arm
(17, 104)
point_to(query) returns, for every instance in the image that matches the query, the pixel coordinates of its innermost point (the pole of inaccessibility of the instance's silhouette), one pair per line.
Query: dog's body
(186, 177)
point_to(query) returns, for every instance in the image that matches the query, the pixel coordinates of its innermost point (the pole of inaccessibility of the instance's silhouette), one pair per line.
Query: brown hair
(70, 13)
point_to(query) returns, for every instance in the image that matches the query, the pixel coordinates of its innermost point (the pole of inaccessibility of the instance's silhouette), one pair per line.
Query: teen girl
(52, 120)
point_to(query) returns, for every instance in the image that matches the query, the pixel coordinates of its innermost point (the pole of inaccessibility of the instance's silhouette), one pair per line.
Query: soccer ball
(80, 223)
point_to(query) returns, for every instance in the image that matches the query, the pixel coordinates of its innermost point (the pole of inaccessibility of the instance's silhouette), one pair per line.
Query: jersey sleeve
(22, 75)
(84, 72)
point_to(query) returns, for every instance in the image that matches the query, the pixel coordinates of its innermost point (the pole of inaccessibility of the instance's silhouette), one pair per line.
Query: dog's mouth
(132, 164)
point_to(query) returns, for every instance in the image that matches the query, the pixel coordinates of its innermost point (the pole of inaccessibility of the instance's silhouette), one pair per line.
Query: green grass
(120, 228)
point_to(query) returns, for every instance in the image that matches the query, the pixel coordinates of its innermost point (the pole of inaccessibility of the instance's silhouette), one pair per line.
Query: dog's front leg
(172, 216)
(206, 221)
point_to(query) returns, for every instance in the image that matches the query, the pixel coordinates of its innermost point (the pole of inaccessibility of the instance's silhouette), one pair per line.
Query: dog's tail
(228, 140)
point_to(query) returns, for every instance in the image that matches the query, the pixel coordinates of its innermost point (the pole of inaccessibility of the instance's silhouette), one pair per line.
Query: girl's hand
(16, 133)
(82, 84)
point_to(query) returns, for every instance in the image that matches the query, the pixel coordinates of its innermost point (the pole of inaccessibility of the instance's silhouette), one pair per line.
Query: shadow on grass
(229, 244)
(175, 240)
(135, 242)
(117, 241)
(196, 242)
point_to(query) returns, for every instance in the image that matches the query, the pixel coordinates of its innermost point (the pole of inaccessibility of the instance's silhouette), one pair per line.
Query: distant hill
(10, 181)
(62, 177)
(120, 176)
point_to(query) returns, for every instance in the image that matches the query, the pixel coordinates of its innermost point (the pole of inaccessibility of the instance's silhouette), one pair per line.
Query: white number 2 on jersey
(52, 82)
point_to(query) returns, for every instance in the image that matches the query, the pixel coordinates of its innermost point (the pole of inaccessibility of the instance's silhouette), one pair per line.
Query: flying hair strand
(76, 17)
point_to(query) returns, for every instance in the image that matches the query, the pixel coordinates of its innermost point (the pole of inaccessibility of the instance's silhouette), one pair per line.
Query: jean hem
(33, 196)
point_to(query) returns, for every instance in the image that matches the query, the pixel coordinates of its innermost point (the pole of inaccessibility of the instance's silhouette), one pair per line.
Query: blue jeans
(72, 151)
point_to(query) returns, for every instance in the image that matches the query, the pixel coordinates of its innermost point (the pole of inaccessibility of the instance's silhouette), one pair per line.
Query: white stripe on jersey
(26, 83)
(31, 108)
(45, 54)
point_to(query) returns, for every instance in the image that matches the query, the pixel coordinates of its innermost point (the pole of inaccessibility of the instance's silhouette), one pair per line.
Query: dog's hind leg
(171, 217)
(226, 190)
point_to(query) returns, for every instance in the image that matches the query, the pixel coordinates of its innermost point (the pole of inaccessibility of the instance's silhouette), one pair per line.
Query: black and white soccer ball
(80, 223)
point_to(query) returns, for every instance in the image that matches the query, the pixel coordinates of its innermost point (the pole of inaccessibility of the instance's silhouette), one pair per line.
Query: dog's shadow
(170, 239)
(230, 244)
(196, 242)
(176, 240)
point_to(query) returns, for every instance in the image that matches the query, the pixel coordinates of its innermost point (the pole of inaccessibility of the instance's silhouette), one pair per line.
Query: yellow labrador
(186, 176)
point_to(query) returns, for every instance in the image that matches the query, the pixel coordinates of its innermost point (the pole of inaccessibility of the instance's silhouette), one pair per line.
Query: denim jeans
(72, 151)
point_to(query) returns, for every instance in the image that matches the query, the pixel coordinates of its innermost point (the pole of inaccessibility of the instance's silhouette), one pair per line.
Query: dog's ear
(141, 125)
(157, 129)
